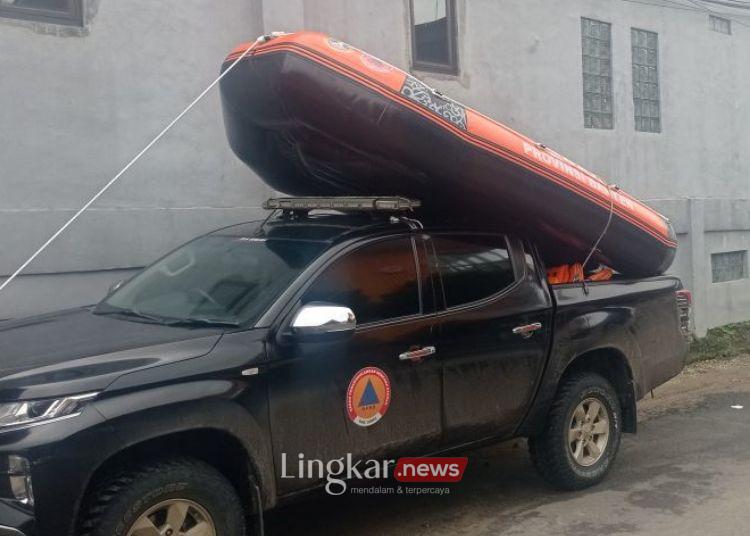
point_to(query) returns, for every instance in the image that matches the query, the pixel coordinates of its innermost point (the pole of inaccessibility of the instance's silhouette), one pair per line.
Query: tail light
(684, 302)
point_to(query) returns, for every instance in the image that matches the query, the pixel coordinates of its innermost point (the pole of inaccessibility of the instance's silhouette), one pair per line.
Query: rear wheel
(582, 434)
(182, 497)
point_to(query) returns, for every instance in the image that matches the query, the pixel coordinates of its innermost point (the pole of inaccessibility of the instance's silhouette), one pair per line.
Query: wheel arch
(214, 446)
(610, 361)
(612, 364)
(169, 421)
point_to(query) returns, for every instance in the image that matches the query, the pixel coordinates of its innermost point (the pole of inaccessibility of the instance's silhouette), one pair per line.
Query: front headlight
(27, 413)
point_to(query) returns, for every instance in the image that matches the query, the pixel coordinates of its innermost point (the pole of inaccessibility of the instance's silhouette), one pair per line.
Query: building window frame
(71, 16)
(719, 24)
(639, 97)
(729, 266)
(605, 119)
(446, 68)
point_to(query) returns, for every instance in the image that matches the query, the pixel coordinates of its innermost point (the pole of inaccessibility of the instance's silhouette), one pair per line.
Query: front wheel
(582, 434)
(182, 497)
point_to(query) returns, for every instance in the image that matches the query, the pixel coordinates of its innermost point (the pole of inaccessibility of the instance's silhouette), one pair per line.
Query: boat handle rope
(113, 180)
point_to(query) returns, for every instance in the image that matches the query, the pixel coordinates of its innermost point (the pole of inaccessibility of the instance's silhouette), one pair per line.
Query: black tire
(550, 450)
(120, 500)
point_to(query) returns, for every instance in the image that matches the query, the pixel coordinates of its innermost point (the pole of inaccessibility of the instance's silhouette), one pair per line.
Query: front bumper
(10, 531)
(15, 522)
(62, 456)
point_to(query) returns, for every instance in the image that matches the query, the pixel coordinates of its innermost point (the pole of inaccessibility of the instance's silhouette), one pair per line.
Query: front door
(493, 336)
(361, 396)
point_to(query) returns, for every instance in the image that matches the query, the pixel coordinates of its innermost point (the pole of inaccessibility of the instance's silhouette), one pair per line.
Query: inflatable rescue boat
(312, 115)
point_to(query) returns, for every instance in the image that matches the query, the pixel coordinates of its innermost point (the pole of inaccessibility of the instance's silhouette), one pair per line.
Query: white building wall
(75, 106)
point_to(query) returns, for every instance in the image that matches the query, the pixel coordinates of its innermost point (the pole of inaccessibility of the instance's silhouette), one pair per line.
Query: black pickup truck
(185, 402)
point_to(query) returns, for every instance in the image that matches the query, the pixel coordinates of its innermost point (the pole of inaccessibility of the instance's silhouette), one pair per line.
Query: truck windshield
(213, 280)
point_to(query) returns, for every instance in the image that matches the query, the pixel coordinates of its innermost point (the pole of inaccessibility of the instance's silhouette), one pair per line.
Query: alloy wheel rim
(588, 433)
(174, 517)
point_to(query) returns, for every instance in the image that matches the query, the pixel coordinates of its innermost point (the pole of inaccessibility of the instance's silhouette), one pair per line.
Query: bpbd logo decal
(368, 396)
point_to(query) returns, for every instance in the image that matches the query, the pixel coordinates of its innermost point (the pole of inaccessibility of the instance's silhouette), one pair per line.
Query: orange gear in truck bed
(573, 273)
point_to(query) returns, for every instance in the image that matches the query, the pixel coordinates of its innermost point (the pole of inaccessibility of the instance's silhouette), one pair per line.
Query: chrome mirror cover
(317, 318)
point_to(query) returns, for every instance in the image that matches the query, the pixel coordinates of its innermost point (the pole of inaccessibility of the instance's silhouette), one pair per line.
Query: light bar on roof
(342, 203)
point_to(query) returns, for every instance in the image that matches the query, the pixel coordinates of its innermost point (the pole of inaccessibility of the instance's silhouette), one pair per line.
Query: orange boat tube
(312, 115)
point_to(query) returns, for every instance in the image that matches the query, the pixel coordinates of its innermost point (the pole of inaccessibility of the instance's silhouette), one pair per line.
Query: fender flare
(603, 330)
(142, 416)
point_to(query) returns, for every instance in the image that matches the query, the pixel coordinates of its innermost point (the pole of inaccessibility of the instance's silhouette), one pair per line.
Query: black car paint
(477, 342)
(159, 380)
(76, 351)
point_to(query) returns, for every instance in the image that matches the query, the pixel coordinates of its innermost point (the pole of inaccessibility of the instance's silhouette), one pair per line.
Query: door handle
(417, 355)
(527, 330)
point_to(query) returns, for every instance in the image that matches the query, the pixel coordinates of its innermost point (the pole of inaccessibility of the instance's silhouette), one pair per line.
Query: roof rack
(342, 203)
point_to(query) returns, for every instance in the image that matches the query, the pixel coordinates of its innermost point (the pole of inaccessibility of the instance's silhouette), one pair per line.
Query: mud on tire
(552, 451)
(118, 502)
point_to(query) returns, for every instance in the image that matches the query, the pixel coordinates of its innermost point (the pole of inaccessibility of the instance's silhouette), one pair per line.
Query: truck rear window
(473, 267)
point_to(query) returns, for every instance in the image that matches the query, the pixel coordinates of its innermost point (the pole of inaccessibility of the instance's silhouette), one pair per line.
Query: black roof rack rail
(342, 203)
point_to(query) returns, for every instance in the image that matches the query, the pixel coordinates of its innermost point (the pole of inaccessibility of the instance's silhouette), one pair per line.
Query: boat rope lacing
(113, 180)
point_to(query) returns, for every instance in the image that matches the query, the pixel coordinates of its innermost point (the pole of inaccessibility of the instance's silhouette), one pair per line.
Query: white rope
(129, 164)
(604, 231)
(609, 187)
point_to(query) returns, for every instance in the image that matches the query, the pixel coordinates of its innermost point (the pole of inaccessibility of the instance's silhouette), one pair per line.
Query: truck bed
(640, 317)
(637, 321)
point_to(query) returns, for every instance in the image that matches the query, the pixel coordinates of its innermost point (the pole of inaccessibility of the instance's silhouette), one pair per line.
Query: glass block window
(596, 40)
(720, 24)
(646, 80)
(728, 266)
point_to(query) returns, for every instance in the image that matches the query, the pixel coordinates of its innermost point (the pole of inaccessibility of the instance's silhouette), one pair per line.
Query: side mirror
(318, 321)
(114, 286)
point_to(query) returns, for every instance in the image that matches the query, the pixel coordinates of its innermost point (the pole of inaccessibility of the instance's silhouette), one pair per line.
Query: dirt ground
(687, 471)
(696, 381)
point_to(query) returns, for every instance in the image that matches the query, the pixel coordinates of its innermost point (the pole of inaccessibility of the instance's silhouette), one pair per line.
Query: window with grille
(728, 266)
(68, 12)
(720, 24)
(646, 101)
(596, 41)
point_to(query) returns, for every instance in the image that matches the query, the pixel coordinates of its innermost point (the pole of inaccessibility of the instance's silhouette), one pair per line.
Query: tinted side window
(377, 282)
(472, 267)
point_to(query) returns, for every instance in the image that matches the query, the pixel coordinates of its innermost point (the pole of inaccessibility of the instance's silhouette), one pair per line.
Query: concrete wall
(705, 226)
(76, 105)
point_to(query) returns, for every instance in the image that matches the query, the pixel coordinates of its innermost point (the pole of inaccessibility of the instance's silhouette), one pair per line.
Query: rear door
(494, 333)
(360, 396)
